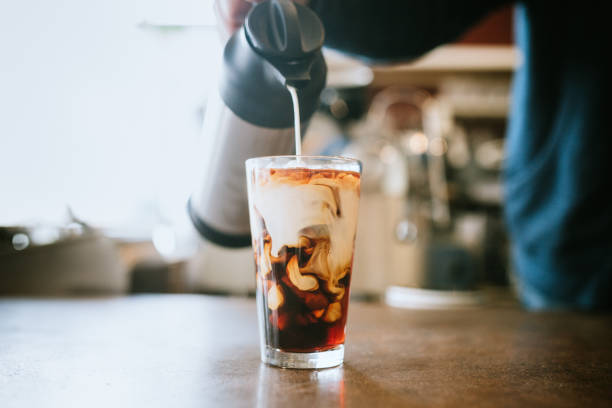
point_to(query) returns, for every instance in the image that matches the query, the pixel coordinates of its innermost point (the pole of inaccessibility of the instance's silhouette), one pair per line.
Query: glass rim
(342, 159)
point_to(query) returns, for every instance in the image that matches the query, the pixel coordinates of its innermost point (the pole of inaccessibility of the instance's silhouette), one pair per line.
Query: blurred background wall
(101, 107)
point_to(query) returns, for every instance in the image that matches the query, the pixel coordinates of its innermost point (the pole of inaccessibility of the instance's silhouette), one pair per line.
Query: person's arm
(397, 29)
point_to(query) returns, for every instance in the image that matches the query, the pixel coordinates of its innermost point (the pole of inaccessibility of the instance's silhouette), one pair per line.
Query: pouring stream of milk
(296, 120)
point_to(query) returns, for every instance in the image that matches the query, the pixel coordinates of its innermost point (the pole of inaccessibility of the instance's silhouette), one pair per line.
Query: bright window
(101, 104)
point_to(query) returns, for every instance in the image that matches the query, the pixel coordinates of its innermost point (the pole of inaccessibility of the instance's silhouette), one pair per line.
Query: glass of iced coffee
(303, 214)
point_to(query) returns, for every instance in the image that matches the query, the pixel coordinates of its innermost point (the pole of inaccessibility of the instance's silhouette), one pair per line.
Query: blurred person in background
(558, 166)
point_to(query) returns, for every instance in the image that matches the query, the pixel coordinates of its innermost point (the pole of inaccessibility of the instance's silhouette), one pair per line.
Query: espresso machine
(250, 113)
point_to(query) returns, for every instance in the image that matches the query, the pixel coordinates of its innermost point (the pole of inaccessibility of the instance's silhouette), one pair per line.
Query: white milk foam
(321, 208)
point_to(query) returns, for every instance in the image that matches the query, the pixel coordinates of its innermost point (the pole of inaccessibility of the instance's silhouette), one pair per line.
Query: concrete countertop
(198, 351)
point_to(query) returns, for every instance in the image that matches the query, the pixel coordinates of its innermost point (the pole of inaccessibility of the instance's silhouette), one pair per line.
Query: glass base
(319, 359)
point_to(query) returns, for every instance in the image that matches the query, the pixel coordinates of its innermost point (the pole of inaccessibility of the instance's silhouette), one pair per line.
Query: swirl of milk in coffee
(305, 208)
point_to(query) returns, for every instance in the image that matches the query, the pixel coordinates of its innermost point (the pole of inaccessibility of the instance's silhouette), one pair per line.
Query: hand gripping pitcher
(251, 115)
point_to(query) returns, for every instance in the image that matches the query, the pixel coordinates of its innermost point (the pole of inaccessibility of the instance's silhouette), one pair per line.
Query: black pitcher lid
(284, 29)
